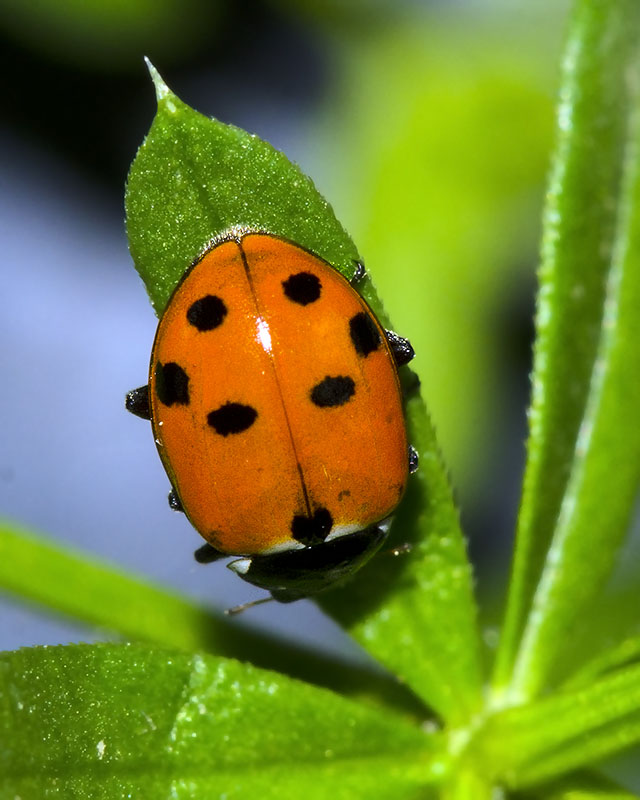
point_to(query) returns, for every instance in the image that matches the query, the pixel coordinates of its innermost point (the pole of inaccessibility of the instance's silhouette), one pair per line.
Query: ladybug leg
(401, 348)
(413, 459)
(207, 554)
(359, 274)
(230, 612)
(137, 402)
(174, 501)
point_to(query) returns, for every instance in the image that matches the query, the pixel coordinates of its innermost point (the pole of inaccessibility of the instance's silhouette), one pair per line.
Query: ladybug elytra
(277, 411)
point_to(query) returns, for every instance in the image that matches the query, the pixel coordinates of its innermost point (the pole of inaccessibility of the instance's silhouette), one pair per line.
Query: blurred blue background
(427, 125)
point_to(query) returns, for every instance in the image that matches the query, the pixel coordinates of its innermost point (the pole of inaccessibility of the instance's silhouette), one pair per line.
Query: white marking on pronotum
(240, 566)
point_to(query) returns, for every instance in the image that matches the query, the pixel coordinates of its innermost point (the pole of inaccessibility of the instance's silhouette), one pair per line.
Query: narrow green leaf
(107, 721)
(583, 208)
(568, 730)
(625, 654)
(212, 177)
(194, 178)
(425, 629)
(67, 581)
(583, 786)
(600, 744)
(595, 513)
(466, 784)
(601, 639)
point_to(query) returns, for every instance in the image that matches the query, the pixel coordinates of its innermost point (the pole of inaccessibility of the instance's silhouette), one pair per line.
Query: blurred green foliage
(439, 136)
(109, 34)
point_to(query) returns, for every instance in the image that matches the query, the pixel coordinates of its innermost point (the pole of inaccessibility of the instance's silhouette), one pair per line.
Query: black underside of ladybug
(293, 574)
(290, 575)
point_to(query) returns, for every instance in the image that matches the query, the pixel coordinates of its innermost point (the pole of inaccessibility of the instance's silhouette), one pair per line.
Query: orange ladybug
(277, 411)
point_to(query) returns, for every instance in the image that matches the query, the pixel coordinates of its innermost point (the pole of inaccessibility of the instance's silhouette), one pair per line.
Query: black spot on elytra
(312, 530)
(333, 391)
(364, 334)
(232, 418)
(172, 384)
(207, 313)
(302, 288)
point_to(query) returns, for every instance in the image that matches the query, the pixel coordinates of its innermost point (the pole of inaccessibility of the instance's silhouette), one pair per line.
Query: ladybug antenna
(231, 612)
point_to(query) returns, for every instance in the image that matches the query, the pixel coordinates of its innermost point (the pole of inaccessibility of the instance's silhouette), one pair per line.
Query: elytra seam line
(275, 374)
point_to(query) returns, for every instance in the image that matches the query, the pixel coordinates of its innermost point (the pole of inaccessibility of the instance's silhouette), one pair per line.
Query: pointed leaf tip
(162, 90)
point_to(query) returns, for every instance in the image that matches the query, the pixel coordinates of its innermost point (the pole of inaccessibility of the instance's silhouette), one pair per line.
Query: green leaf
(606, 638)
(466, 784)
(107, 721)
(624, 654)
(64, 580)
(569, 730)
(213, 177)
(37, 569)
(600, 744)
(195, 178)
(580, 787)
(585, 387)
(424, 627)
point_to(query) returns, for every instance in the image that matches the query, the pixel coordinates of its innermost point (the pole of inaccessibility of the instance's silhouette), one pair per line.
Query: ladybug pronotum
(277, 411)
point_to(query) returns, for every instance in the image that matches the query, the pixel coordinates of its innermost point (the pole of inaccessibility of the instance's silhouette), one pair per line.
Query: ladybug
(277, 412)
